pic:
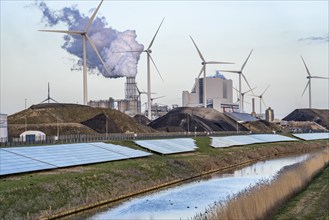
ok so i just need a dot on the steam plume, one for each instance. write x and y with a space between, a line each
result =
106 39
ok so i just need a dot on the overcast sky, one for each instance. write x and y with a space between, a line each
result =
279 32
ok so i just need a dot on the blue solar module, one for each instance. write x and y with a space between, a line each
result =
25 159
238 140
313 136
13 163
169 146
266 138
242 117
126 151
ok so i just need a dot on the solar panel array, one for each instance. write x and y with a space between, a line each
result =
312 136
238 140
169 146
237 116
26 159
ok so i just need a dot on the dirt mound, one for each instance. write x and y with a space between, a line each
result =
195 118
142 119
69 115
262 126
320 116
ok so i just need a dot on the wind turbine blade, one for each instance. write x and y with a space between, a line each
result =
319 77
96 51
198 50
230 71
216 62
139 92
247 82
308 72
249 90
236 90
156 67
202 69
149 47
265 90
245 62
62 31
129 51
306 87
159 97
93 17
262 100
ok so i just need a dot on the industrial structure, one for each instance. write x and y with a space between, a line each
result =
3 128
219 94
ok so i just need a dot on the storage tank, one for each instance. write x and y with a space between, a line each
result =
269 114
3 128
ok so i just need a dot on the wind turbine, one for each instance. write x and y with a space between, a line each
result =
84 36
309 77
49 98
261 100
148 51
203 69
241 74
241 97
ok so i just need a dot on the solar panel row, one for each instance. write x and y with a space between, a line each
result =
25 159
238 140
312 136
169 146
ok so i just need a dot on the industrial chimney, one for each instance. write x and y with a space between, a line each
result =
253 113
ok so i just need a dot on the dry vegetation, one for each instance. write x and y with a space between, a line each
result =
262 200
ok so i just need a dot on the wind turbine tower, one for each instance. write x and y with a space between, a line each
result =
309 77
241 74
203 69
84 36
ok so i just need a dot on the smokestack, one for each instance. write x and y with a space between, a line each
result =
253 113
131 89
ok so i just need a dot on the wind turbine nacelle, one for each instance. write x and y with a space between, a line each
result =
203 63
148 51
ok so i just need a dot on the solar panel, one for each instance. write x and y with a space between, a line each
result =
169 146
131 153
13 163
272 138
25 159
313 136
238 140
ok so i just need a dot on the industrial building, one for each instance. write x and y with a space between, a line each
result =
131 105
3 128
219 94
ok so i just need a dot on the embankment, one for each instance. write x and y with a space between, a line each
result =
46 194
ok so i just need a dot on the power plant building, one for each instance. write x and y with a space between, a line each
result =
219 94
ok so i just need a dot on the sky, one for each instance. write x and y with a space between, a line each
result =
279 32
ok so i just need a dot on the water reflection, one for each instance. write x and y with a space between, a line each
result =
185 201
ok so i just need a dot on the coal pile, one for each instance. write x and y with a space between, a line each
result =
99 123
195 119
142 119
319 116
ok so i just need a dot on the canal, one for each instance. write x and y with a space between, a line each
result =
186 200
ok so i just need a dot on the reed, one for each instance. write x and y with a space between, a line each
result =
263 199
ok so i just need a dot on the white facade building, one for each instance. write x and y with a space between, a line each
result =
3 128
31 136
219 93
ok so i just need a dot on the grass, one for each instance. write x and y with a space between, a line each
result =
41 194
311 203
260 201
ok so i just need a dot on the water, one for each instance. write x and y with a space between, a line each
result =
185 201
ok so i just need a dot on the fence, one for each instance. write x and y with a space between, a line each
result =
80 138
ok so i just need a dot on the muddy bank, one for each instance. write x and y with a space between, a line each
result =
44 194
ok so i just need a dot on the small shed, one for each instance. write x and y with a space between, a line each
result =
31 136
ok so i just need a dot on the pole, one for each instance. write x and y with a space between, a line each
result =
204 87
85 92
